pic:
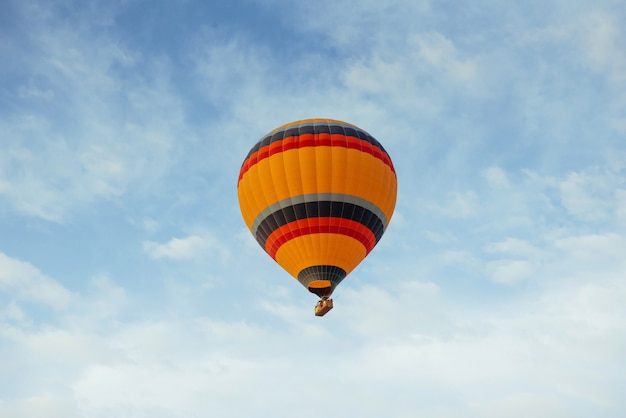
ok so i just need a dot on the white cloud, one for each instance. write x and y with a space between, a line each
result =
424 64
98 135
513 246
460 205
620 210
578 193
47 406
521 260
176 248
509 271
150 225
25 282
105 299
405 342
596 248
440 53
522 404
496 177
602 42
12 312
190 247
31 91
347 25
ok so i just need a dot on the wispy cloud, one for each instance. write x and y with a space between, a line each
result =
177 248
28 283
498 288
187 248
422 339
496 177
78 131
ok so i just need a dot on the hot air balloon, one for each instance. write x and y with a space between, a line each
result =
317 194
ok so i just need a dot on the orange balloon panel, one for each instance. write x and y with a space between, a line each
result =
317 195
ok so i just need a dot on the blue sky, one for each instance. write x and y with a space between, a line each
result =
130 286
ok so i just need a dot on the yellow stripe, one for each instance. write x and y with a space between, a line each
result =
320 249
252 194
317 170
278 175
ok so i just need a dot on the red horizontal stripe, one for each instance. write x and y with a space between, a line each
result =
312 140
325 225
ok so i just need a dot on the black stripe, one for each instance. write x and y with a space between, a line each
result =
319 209
317 128
332 273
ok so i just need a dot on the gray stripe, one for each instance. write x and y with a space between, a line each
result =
315 197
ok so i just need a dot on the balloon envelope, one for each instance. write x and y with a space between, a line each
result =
317 194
